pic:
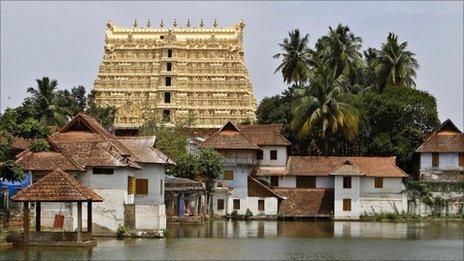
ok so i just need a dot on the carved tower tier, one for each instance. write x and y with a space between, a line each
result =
172 73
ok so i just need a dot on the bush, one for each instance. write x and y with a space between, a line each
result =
122 231
234 215
40 145
248 214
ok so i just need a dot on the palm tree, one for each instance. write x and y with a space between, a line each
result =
340 49
44 98
324 107
295 55
394 65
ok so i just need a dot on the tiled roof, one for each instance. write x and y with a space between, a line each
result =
57 186
347 169
446 138
261 171
246 136
324 166
229 137
182 184
46 161
306 202
144 151
21 144
257 189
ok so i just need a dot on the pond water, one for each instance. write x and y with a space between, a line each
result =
274 240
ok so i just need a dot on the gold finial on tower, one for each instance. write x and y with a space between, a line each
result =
215 23
161 23
202 23
148 23
175 23
136 23
188 22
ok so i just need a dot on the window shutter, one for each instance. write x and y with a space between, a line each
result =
435 160
236 203
261 204
130 185
346 204
141 187
461 159
378 182
220 204
228 175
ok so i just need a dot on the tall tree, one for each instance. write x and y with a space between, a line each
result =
48 111
394 65
340 49
325 108
73 101
295 54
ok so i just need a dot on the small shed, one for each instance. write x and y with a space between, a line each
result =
185 199
57 186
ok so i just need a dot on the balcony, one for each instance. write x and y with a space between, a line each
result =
239 161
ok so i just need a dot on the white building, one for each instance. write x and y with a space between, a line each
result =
442 154
243 149
127 172
342 187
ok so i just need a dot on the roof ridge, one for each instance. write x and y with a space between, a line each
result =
65 154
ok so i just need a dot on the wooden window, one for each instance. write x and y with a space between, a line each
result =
167 97
259 155
167 81
220 204
274 181
169 53
166 115
168 67
228 175
236 203
161 187
141 186
378 182
131 185
435 159
107 171
305 182
261 204
461 159
273 154
347 182
346 204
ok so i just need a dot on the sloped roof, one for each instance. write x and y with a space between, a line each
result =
261 171
306 202
144 151
182 184
57 186
229 137
46 161
324 166
257 189
445 138
347 169
277 127
267 138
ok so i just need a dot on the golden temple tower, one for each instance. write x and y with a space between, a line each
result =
175 72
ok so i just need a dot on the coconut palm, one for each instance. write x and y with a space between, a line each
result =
340 48
324 107
295 54
394 64
44 98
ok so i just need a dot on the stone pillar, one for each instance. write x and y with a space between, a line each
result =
26 222
37 216
79 221
89 217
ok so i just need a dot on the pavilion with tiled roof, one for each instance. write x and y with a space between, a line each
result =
57 186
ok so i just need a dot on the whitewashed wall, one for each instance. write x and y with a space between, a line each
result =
281 156
155 175
325 182
342 193
446 161
270 206
390 185
150 217
220 194
290 181
240 181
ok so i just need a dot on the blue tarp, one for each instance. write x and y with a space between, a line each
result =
14 186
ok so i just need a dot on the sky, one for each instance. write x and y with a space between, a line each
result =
65 40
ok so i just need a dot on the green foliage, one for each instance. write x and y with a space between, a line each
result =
104 115
234 215
186 166
394 123
248 214
73 101
40 145
121 232
11 171
6 151
32 128
209 166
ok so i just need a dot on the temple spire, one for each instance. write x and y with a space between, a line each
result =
161 23
215 23
188 22
175 23
202 23
148 23
136 23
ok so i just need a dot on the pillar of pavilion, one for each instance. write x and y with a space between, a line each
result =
57 186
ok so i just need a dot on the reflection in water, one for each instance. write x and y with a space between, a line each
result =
319 229
273 240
